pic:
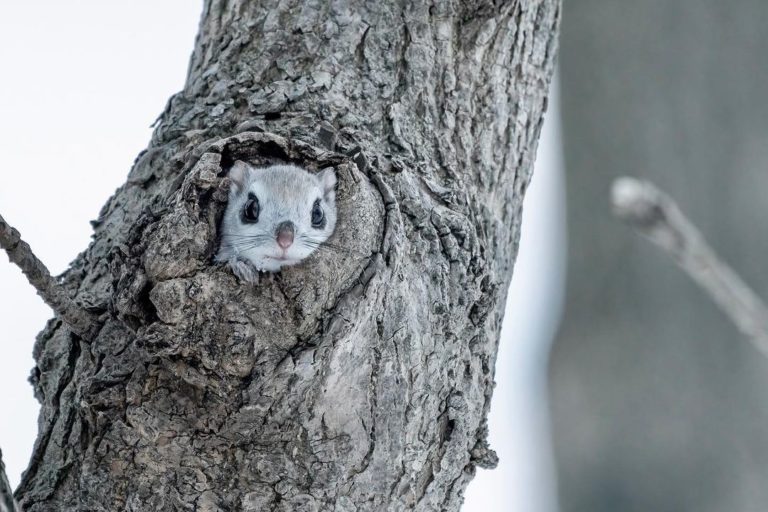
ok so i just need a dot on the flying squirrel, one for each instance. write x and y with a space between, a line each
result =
276 216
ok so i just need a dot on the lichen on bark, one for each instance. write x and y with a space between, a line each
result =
359 379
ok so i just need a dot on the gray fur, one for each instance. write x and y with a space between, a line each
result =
285 193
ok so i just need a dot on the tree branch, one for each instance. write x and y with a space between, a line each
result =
7 503
657 217
79 320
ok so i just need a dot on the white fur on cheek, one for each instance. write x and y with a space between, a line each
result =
285 193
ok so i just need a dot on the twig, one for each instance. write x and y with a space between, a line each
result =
7 503
658 218
79 320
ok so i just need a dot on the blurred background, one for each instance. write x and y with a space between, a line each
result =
658 404
644 398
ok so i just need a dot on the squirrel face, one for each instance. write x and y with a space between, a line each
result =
276 216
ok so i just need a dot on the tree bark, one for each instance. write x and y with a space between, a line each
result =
360 379
7 503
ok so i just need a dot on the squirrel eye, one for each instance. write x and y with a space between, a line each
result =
251 210
318 216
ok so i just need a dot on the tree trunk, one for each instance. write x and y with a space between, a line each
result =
360 379
6 497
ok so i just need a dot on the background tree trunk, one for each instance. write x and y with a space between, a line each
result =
359 380
658 402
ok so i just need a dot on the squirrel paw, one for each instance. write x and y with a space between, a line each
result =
244 270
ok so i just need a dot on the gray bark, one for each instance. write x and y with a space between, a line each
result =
658 402
359 380
49 289
7 503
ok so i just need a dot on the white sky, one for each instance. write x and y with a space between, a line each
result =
81 83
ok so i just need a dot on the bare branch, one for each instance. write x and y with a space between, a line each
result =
79 320
7 503
658 218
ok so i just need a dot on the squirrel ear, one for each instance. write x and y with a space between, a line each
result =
328 182
239 174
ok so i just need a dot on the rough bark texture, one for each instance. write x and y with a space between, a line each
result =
359 380
658 401
7 503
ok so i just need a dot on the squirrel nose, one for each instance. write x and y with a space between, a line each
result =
284 234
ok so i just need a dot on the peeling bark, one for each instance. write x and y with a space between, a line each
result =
360 379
